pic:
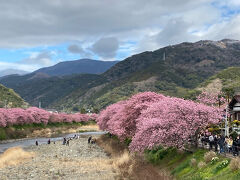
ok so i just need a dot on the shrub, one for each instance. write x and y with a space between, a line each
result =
214 160
2 134
208 156
222 165
201 165
193 162
235 164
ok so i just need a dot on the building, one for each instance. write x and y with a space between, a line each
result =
234 111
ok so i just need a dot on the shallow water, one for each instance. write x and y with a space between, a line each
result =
29 142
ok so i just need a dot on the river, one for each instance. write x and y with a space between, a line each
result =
43 140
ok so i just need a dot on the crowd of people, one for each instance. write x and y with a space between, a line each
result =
66 141
221 144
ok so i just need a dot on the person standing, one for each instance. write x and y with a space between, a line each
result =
216 143
89 139
36 143
222 144
64 141
211 141
235 146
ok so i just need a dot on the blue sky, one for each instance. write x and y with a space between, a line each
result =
39 34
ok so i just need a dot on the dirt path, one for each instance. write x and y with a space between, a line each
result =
56 161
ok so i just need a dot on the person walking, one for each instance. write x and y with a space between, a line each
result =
49 141
36 143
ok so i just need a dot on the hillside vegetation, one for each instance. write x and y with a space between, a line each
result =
9 98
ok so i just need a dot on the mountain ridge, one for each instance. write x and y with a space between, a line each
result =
81 66
173 70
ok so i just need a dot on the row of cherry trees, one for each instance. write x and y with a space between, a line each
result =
152 119
16 116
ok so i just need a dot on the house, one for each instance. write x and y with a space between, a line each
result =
234 107
234 112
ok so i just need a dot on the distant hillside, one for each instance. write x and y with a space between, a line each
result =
227 81
38 87
82 66
7 72
9 98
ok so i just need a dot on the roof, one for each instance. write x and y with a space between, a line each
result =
235 99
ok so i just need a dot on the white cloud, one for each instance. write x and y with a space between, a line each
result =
106 47
39 58
11 65
151 24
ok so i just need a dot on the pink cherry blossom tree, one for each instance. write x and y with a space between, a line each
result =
172 122
120 118
16 116
152 119
212 98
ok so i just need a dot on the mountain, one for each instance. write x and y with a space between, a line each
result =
82 66
7 72
173 70
176 70
39 87
8 98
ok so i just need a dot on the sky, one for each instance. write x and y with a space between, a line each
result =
37 34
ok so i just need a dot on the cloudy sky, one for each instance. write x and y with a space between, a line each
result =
36 34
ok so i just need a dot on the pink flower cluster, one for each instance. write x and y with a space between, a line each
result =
151 119
15 116
211 99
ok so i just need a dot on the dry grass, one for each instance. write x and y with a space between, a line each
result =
193 162
14 156
235 164
201 165
130 166
208 156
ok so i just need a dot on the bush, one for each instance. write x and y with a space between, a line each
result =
234 134
208 156
2 134
214 160
235 164
201 165
222 165
193 162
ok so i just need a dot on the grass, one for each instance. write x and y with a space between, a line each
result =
14 156
179 163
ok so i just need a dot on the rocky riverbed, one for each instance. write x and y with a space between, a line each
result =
79 160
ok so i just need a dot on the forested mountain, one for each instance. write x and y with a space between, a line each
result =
82 66
173 70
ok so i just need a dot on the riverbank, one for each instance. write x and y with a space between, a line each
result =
170 163
130 165
79 160
41 130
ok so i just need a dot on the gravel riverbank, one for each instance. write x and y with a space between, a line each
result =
79 160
